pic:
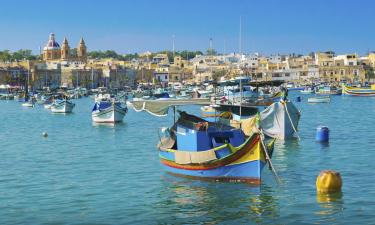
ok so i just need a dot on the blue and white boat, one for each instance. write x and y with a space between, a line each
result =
108 111
62 106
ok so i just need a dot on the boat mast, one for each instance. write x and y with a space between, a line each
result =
92 77
77 78
27 82
239 65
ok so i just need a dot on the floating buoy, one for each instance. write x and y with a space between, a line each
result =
328 181
298 99
44 134
322 134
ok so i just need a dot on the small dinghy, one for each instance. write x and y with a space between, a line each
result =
325 99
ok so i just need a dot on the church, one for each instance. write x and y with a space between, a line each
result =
53 52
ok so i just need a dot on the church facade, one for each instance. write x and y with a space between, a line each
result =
53 52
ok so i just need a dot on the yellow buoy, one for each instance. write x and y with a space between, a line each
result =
328 181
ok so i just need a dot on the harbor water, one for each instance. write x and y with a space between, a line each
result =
84 173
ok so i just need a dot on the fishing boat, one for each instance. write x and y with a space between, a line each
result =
307 91
294 87
62 106
279 120
108 111
48 106
98 97
363 92
328 90
323 99
209 113
28 104
198 149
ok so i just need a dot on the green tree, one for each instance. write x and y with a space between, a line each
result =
5 55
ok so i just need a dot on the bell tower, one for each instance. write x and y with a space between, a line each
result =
65 50
82 51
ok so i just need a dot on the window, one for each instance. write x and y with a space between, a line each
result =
165 77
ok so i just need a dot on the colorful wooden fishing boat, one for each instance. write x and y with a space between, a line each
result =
196 148
353 91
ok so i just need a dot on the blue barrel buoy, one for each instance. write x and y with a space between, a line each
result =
322 134
298 99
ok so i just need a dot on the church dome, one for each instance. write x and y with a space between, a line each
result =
52 44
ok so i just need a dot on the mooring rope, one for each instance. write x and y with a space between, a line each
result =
268 157
290 119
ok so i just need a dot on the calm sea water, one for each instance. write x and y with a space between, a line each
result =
89 174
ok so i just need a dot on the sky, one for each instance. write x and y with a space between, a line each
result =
129 26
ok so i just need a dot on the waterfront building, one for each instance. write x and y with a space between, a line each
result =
371 59
348 59
324 58
342 73
14 76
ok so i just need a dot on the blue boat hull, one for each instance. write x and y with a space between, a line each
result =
249 172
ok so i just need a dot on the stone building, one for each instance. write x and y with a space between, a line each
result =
53 52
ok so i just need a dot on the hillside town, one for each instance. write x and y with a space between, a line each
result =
64 66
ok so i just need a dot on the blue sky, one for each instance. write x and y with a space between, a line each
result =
127 26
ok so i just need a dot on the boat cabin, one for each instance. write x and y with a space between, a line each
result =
196 134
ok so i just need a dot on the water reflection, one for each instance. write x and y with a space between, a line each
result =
110 125
217 202
322 145
329 206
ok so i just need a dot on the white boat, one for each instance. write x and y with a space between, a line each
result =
107 111
62 106
101 96
28 104
325 99
307 91
48 106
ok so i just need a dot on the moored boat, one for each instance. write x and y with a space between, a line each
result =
196 148
107 111
363 92
307 91
28 104
62 106
323 99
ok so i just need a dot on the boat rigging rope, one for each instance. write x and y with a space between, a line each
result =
265 149
290 119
